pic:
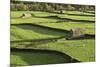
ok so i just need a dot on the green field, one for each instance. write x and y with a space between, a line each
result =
41 15
82 50
31 32
30 58
89 27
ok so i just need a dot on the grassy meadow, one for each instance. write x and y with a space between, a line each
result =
82 50
39 37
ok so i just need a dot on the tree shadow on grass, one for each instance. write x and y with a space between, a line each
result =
40 57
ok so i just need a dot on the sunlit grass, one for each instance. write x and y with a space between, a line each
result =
83 50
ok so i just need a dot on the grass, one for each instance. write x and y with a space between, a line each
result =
32 32
78 17
32 20
15 15
33 58
82 50
79 12
89 27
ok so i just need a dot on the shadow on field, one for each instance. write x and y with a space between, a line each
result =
86 36
72 10
41 29
34 42
40 57
74 20
82 15
66 19
39 40
53 31
89 12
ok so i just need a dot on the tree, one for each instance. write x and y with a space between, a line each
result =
49 7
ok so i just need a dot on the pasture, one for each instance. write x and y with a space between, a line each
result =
81 49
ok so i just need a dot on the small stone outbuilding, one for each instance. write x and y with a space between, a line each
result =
77 32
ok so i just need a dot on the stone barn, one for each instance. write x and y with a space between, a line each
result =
77 32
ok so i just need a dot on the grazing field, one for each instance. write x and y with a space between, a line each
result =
44 17
89 27
32 32
31 58
81 49
35 57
